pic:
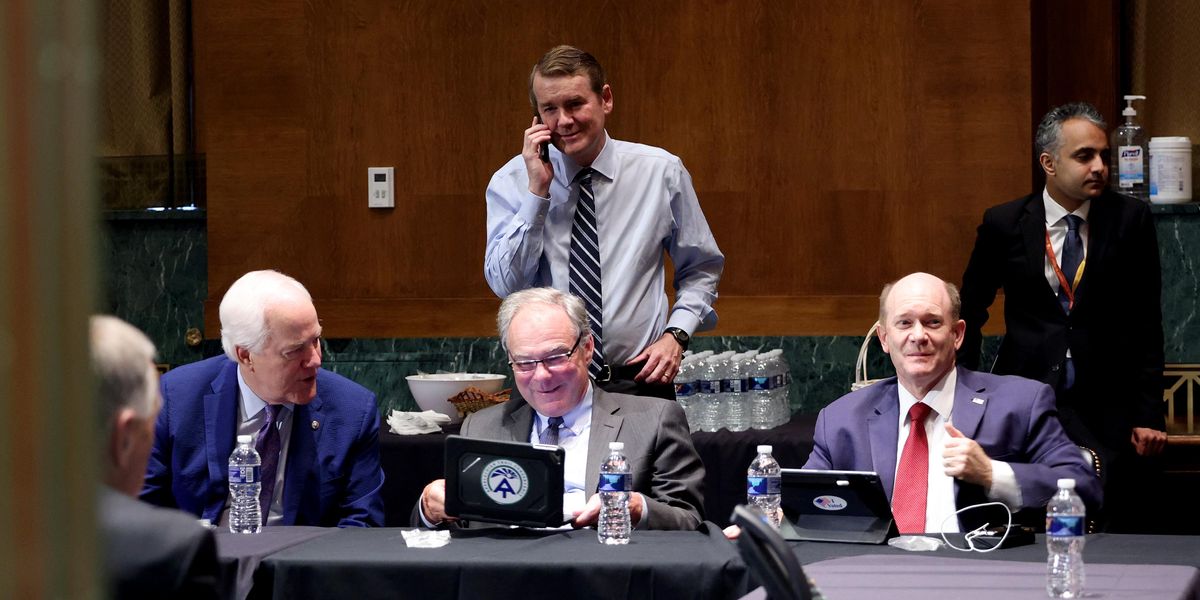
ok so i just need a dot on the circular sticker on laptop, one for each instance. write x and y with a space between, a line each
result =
829 503
504 481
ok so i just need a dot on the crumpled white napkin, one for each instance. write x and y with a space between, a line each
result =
410 423
425 538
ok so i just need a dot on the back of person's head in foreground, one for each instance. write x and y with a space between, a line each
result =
127 383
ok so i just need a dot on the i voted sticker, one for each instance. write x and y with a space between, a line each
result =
829 503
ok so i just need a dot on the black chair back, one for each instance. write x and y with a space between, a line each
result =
769 557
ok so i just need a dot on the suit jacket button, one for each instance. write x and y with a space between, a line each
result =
1054 368
317 424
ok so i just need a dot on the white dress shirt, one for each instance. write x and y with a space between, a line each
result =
1056 224
940 500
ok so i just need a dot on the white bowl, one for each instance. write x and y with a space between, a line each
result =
433 391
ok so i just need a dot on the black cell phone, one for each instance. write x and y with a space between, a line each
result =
544 149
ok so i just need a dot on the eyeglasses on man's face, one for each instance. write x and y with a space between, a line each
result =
550 362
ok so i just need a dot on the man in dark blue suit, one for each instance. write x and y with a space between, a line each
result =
326 440
983 437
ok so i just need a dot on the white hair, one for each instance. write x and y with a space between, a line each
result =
123 363
244 308
513 303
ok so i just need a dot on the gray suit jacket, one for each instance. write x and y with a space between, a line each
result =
152 552
665 466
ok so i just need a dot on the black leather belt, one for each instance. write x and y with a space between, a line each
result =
620 372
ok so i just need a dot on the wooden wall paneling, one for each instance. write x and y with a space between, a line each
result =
1076 57
833 146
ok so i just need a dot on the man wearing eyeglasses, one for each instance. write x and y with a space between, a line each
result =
317 432
549 344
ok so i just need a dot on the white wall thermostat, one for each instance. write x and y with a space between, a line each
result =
381 190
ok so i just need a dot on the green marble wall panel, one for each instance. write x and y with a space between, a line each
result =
156 278
1179 252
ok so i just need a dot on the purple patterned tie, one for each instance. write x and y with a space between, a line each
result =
267 446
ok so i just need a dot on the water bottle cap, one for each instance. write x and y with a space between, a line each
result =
765 449
621 446
1066 483
245 439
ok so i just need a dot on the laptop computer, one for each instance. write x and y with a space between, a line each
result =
835 506
504 482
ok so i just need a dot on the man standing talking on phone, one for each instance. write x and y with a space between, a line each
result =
592 216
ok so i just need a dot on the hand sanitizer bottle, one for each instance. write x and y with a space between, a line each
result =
1127 165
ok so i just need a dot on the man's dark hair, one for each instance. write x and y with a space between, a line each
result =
1049 131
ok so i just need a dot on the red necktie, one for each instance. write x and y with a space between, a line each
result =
911 491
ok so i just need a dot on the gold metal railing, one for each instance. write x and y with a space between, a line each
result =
1180 382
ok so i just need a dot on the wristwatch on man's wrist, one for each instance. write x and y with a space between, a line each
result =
681 337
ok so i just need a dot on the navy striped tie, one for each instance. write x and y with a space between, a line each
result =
585 265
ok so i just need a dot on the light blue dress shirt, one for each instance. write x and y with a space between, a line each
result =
645 204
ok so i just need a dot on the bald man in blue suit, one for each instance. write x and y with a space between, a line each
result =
997 437
328 425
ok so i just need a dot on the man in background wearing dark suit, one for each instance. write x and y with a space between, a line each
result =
1080 271
317 432
149 552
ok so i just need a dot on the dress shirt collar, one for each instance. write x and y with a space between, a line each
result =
576 420
940 397
605 163
251 403
1055 211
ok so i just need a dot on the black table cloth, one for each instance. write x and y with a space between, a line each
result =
411 461
361 564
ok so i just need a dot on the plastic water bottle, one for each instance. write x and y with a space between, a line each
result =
763 485
1129 156
686 389
708 412
783 386
737 415
615 482
761 398
245 516
1065 516
724 375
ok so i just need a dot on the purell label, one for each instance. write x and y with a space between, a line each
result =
1129 166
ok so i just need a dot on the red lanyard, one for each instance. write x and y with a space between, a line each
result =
1062 279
